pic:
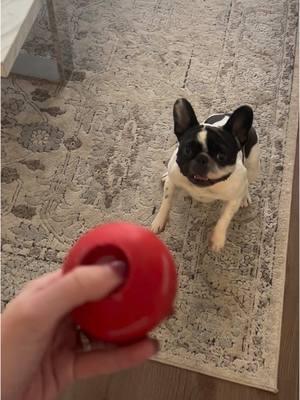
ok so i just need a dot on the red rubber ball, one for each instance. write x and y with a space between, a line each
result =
144 299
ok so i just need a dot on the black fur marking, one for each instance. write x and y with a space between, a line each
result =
240 123
184 117
222 142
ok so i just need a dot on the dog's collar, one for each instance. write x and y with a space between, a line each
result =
223 178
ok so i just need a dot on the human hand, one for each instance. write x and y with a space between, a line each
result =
41 354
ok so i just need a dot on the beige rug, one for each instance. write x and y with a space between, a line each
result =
94 150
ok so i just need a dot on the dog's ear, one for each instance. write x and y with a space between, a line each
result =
240 123
184 117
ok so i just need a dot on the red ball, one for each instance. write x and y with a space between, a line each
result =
145 298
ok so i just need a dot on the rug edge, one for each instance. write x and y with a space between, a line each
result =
286 196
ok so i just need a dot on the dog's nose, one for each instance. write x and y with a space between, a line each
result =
202 159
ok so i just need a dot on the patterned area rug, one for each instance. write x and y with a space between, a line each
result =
94 150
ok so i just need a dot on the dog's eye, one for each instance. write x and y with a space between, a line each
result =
221 157
187 150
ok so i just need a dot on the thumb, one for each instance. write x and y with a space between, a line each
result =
79 286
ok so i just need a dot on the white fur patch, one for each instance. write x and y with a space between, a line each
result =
202 139
222 122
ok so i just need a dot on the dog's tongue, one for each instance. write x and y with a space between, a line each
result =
200 178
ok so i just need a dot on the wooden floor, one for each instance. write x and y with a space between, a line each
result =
154 381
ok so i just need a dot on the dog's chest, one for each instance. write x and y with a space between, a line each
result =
203 195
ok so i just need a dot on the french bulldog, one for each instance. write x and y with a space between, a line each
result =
214 160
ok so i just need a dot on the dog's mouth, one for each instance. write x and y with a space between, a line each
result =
200 180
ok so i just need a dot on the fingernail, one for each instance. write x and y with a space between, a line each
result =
120 267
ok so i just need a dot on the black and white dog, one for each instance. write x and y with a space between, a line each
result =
215 160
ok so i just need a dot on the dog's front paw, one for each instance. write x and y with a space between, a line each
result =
217 241
158 225
246 201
